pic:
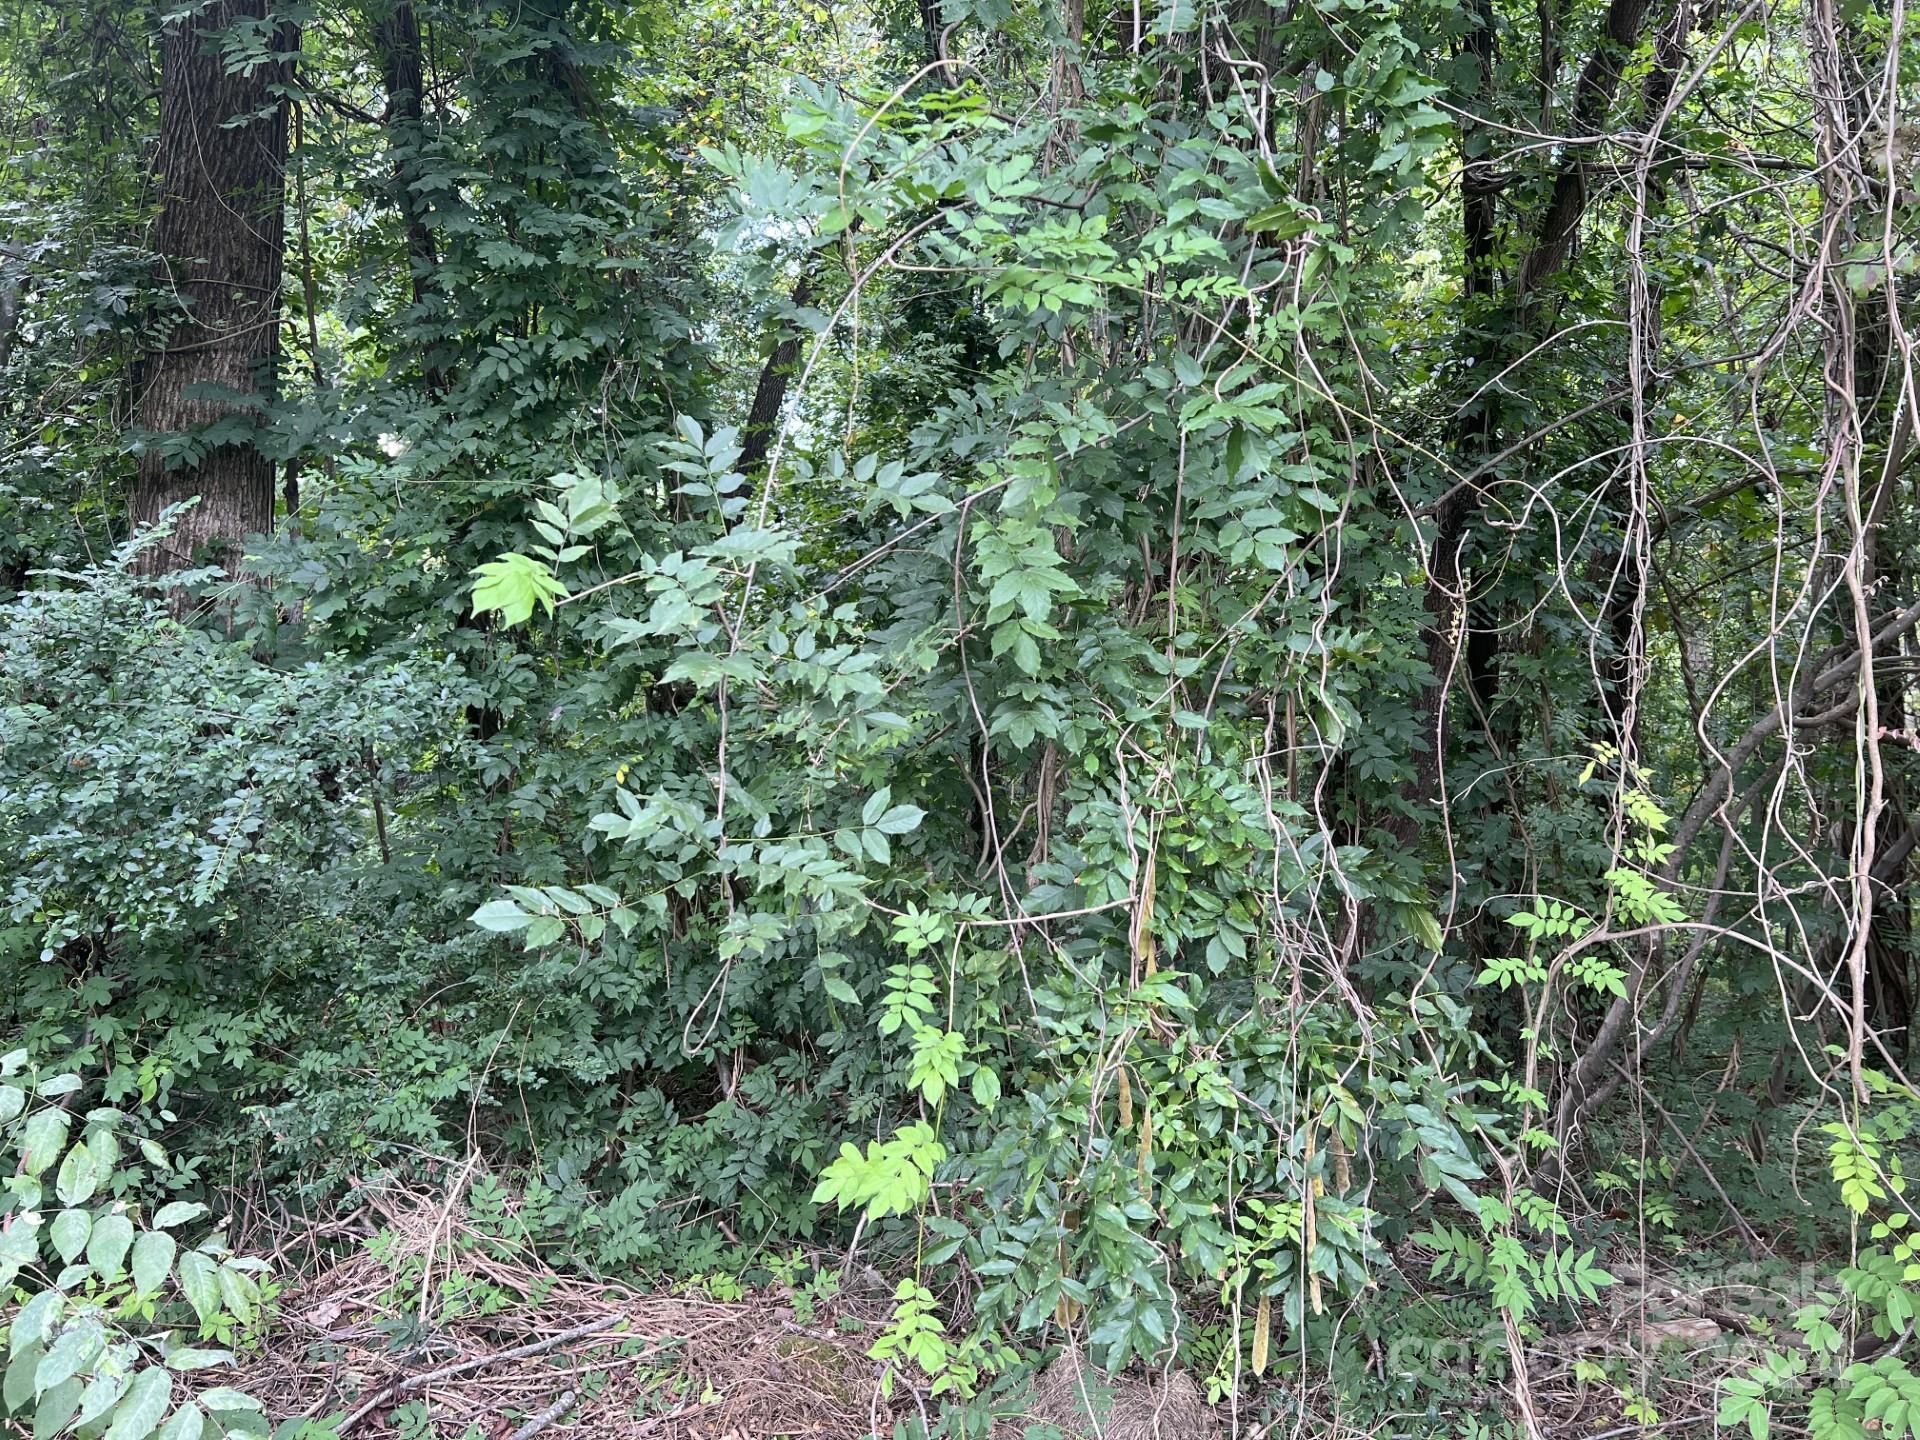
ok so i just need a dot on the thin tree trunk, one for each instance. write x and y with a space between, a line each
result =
221 177
770 393
402 73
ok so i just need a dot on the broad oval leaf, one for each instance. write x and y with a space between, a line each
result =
200 1283
36 1320
99 1396
177 1212
153 1254
187 1423
18 1388
74 1350
43 1139
69 1233
140 1410
56 1408
187 1358
78 1176
107 1246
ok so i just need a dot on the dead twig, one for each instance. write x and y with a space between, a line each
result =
399 1388
547 1416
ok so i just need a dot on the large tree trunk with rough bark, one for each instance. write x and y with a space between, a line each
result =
221 177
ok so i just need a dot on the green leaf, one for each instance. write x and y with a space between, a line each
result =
899 820
19 1246
227 1400
12 1101
187 1423
513 585
153 1254
239 1292
200 1282
18 1387
1280 221
56 1408
69 1233
107 1246
78 1176
139 1412
35 1321
188 1358
74 1350
500 915
177 1212
43 1139
544 930
1424 927
101 1393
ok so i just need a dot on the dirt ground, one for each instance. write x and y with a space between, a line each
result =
524 1351
429 1330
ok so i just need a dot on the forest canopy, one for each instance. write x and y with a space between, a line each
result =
1226 687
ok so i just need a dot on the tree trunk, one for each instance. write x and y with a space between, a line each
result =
221 177
402 72
770 394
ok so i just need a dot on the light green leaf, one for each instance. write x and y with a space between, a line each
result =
177 1212
152 1260
986 1087
43 1139
74 1350
100 1394
78 1176
188 1358
899 820
12 1101
239 1292
200 1283
56 1408
187 1423
35 1320
107 1246
145 1402
513 585
69 1233
19 1245
544 930
18 1387
225 1399
501 916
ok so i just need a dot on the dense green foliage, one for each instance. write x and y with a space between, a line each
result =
1190 670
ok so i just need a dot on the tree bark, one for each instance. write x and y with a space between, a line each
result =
770 393
402 74
221 178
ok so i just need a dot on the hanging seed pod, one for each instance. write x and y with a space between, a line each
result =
1142 936
1337 1152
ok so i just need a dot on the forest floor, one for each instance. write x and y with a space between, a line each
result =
429 1329
432 1329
